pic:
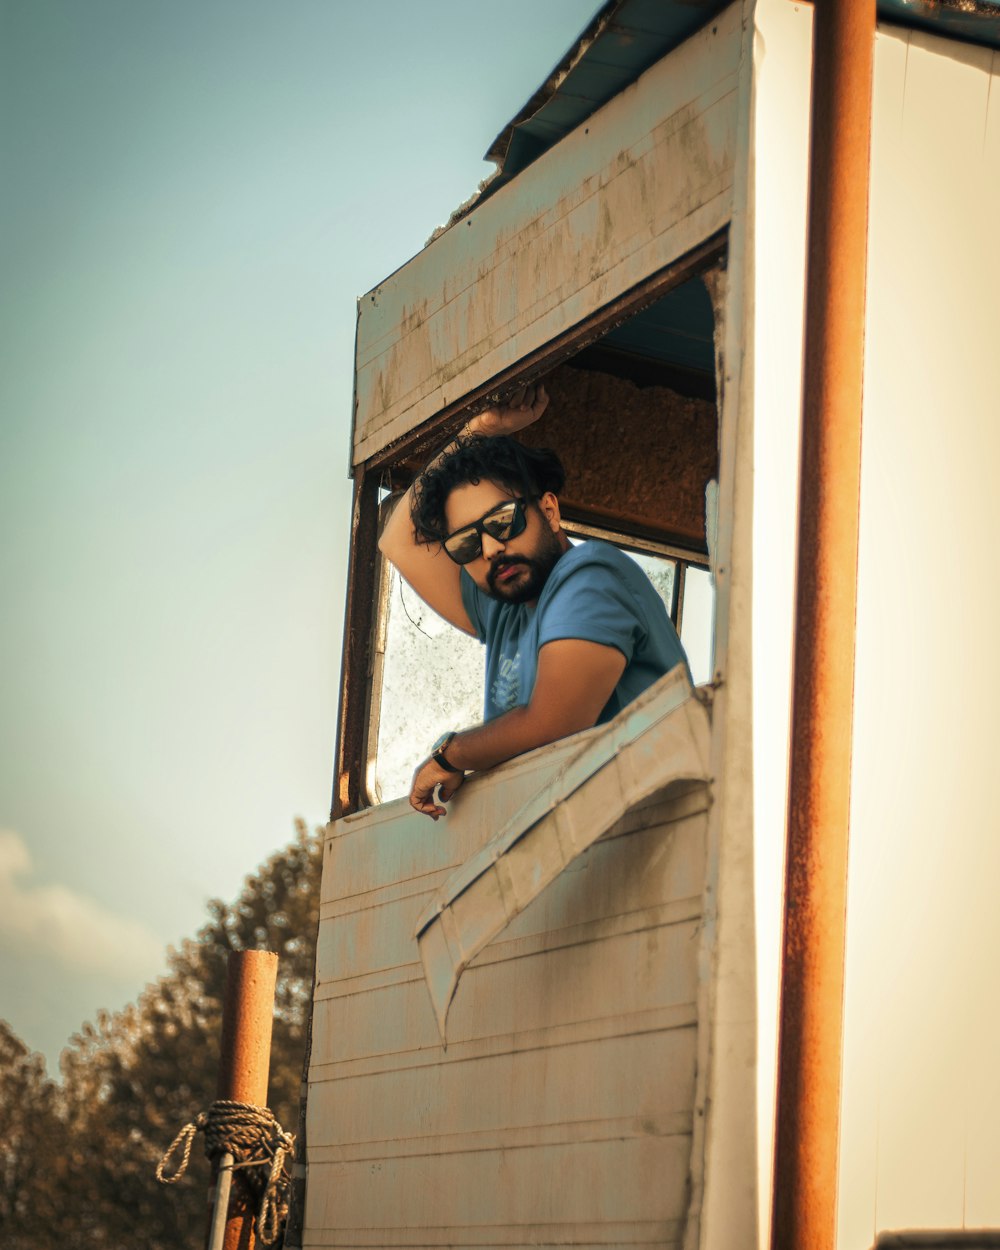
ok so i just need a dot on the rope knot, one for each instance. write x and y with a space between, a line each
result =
256 1142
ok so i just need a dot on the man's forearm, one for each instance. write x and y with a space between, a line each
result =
399 534
515 732
574 682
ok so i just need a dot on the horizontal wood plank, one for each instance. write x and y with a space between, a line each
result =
540 1185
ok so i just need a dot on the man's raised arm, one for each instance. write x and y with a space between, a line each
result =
424 565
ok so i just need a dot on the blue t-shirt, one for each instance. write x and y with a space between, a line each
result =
596 593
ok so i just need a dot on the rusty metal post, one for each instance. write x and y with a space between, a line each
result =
247 1019
811 1026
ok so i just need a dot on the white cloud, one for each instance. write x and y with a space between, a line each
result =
75 931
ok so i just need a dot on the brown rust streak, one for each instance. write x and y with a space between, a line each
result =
808 1111
419 443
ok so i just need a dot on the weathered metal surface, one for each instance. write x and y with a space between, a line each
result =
623 766
413 448
357 653
245 1061
811 1026
646 180
247 1017
623 40
562 1111
626 36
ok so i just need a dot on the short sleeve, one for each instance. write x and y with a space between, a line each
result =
475 603
593 604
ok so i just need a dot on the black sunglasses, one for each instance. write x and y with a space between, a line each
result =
505 521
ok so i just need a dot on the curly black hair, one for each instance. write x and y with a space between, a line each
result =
529 472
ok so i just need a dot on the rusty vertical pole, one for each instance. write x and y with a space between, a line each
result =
247 1019
811 1025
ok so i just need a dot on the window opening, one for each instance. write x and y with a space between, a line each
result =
638 476
429 676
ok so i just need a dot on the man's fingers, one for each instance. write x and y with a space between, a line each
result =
426 780
423 801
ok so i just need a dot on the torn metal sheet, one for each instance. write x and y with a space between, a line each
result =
660 739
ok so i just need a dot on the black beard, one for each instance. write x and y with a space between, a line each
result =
526 588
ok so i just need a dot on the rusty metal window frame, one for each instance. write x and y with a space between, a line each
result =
362 618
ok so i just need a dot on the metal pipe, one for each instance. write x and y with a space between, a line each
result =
811 1024
223 1184
244 1061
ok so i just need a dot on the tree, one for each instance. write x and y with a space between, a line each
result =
133 1078
29 1137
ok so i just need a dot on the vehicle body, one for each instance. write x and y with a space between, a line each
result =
606 1074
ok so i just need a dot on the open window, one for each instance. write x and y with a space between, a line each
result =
633 416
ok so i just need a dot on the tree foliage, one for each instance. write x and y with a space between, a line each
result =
30 1131
77 1163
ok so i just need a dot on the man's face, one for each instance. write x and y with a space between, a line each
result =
516 570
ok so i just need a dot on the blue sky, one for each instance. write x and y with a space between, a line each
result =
194 194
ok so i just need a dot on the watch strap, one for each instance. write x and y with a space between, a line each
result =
438 753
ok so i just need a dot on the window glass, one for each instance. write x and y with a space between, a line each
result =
698 623
697 610
432 680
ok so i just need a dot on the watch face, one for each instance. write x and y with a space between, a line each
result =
445 738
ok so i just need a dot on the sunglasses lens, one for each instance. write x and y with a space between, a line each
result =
464 546
506 522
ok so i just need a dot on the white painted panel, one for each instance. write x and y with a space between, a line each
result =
527 1186
506 1096
782 62
477 811
660 742
607 882
646 179
664 1234
922 1013
621 976
563 1107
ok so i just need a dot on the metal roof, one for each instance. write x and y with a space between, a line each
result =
677 330
975 21
626 37
622 41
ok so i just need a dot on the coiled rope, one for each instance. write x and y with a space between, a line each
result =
256 1142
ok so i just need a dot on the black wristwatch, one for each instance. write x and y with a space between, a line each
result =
439 748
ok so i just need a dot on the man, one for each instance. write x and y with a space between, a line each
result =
572 634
